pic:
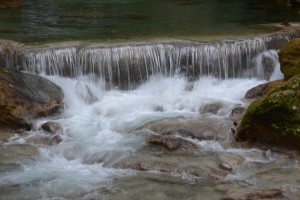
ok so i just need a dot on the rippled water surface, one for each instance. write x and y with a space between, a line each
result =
112 20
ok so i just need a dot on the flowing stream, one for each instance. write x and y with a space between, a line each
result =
105 129
142 69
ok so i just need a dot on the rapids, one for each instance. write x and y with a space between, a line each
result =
102 127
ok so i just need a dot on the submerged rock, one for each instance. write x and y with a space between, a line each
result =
172 143
237 114
265 194
26 96
289 57
212 108
12 154
275 117
173 165
229 162
51 127
44 140
200 129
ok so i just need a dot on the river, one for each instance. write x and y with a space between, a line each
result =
133 70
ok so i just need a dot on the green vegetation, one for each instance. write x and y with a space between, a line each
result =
289 57
275 117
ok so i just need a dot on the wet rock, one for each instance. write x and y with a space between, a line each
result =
200 129
212 108
262 89
146 165
268 66
237 114
172 143
229 162
24 97
44 140
51 127
265 194
10 3
12 154
55 140
5 134
225 166
167 166
275 117
289 57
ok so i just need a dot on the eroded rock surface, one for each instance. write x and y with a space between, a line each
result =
172 143
262 89
24 97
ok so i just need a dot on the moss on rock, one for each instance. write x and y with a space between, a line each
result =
275 117
289 57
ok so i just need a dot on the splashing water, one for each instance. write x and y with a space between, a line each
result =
97 133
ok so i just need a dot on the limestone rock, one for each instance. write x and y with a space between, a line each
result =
275 117
24 97
51 127
172 143
265 194
212 108
262 89
164 165
289 57
237 114
44 140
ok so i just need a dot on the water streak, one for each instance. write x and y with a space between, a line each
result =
126 66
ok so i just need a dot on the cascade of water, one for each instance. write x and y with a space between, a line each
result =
125 66
267 66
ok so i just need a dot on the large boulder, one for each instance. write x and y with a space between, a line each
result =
275 117
289 57
10 3
24 97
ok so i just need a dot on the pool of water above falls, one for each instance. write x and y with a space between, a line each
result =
103 20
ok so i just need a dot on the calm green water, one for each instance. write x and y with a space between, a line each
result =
113 20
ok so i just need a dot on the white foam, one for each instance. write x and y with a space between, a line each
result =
96 134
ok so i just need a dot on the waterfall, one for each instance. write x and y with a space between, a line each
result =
128 65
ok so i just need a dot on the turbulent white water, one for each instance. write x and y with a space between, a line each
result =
97 125
95 134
